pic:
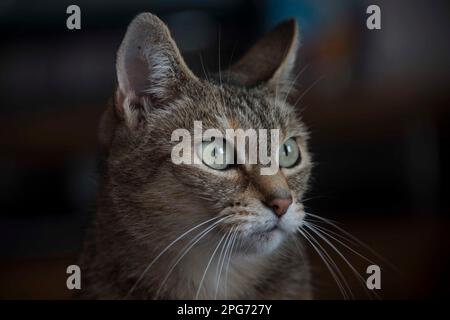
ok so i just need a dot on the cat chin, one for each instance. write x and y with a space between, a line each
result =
265 242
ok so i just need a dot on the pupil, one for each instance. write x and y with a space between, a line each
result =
286 150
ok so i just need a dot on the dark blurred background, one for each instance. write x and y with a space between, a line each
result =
376 101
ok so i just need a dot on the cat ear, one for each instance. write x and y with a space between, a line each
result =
150 68
271 59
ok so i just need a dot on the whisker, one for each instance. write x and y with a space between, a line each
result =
187 248
331 267
298 244
352 237
343 237
227 268
165 250
312 198
207 266
220 73
222 260
293 82
332 261
203 67
327 220
358 275
231 60
327 232
308 89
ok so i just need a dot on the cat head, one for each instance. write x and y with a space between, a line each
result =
157 94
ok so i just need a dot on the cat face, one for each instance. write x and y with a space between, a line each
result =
158 94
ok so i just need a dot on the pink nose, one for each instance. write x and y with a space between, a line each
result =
280 205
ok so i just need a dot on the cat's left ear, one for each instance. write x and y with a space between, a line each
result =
271 60
149 67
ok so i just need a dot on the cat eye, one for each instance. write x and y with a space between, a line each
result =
289 154
215 155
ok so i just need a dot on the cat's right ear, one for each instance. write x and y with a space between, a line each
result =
150 69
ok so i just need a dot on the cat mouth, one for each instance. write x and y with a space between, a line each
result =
269 230
265 239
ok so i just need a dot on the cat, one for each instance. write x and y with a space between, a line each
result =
179 231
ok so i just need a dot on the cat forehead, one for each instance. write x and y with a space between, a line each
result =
225 107
237 107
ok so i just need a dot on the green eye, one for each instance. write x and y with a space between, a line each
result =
215 155
289 153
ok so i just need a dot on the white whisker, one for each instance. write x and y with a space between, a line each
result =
221 263
293 82
352 237
358 275
331 267
207 266
308 89
228 262
163 251
327 233
187 248
203 67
